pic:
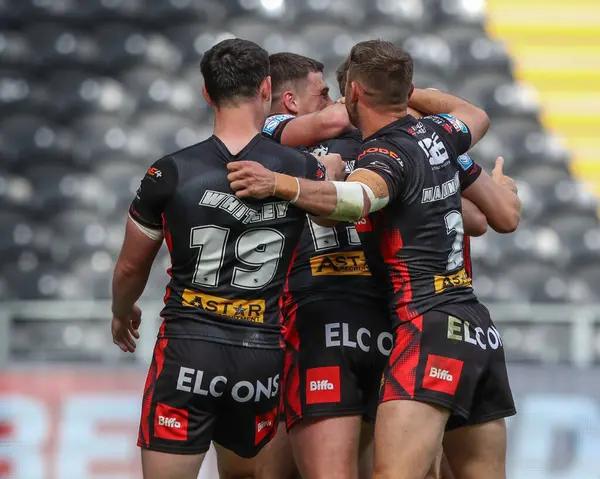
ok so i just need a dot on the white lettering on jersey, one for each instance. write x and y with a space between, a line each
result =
441 192
240 210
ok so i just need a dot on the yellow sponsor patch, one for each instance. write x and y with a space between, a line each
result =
353 263
460 278
253 310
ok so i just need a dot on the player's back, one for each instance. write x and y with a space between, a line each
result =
414 245
229 256
330 261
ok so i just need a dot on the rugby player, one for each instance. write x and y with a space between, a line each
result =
302 112
216 366
447 369
328 437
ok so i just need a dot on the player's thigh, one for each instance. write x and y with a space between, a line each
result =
276 460
445 469
248 419
408 436
160 465
177 423
477 451
492 402
327 448
365 450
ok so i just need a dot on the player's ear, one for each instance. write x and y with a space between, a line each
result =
356 91
290 102
207 96
412 90
265 89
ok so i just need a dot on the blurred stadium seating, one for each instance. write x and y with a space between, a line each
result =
93 91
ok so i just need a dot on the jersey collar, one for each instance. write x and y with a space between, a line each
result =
390 127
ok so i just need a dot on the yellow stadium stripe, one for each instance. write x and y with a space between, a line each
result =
555 45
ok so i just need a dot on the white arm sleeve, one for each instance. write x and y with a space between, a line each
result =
154 234
351 201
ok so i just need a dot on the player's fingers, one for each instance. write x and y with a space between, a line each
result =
238 185
121 346
237 165
238 175
243 193
128 341
133 329
499 165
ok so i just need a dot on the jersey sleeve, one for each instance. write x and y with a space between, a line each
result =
274 126
452 131
388 162
315 170
468 171
156 189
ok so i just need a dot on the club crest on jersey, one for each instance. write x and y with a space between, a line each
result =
273 122
465 161
456 123
418 129
320 150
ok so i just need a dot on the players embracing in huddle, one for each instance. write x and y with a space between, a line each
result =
377 310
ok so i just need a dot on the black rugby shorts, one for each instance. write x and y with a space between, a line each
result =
453 358
199 391
335 354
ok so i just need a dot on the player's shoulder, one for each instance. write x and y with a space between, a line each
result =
447 122
207 145
273 147
346 144
273 121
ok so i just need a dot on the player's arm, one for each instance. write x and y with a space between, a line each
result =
143 238
368 189
474 221
496 197
435 102
322 125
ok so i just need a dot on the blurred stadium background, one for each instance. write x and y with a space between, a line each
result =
93 91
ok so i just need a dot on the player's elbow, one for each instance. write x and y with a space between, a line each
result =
476 226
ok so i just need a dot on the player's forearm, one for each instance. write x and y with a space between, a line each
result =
474 221
500 205
323 125
509 214
317 197
127 286
434 102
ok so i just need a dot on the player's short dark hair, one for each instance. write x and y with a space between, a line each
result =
341 73
234 69
289 67
383 69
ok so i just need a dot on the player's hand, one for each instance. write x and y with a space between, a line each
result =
500 178
335 166
125 329
250 179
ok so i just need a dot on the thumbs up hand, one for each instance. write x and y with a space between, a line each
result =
500 178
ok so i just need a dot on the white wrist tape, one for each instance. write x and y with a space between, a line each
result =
153 234
351 201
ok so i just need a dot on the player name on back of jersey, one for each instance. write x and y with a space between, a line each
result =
437 193
240 210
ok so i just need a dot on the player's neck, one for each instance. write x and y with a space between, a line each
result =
236 126
372 120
